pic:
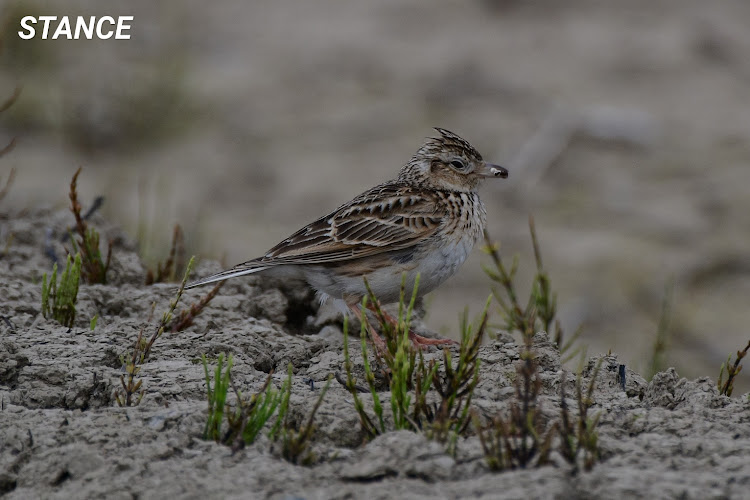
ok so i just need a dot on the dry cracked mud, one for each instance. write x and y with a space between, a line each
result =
62 434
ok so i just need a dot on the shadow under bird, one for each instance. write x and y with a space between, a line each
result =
425 222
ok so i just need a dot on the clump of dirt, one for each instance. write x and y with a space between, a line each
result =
62 434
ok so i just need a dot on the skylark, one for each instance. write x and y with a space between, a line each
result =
425 222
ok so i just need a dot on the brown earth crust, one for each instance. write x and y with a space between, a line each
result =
63 436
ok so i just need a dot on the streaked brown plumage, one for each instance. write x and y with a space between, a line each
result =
424 222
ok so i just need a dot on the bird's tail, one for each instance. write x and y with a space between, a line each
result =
240 270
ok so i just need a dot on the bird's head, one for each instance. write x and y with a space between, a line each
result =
450 163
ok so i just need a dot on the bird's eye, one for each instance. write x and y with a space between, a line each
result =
458 165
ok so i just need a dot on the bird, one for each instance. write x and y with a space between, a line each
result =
423 223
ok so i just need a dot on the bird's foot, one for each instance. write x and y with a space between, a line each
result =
421 342
418 341
377 340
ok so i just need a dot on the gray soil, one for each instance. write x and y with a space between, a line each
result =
625 127
63 436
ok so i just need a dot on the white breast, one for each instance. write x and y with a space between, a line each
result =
438 266
441 263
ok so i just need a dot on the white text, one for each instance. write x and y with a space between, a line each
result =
103 28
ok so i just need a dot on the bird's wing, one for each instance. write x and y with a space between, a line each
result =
387 217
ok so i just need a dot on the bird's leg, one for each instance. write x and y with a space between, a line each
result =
376 338
418 340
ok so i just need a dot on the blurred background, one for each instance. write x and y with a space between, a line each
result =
625 125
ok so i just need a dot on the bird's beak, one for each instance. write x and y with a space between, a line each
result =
490 170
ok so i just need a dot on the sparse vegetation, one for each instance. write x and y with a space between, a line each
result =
175 260
295 442
578 434
94 268
217 395
7 149
247 417
8 181
186 317
59 300
435 398
726 387
131 393
540 312
12 144
166 273
425 397
658 354
520 438
449 417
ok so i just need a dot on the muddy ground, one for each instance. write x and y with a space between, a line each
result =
63 436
